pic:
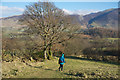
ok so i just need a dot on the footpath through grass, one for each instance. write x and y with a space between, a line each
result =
73 68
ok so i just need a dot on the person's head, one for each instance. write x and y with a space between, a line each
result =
62 55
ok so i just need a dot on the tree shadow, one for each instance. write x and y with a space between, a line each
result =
32 65
37 66
49 69
68 74
40 67
75 57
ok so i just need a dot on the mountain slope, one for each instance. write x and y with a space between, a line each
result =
107 19
11 22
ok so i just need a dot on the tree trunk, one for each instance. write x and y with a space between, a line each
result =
45 54
45 50
50 53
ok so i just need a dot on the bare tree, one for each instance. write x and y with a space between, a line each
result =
47 21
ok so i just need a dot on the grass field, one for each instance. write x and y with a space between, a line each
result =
73 68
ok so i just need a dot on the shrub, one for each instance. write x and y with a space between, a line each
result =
80 74
7 58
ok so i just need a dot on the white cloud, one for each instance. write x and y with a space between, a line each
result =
67 11
6 11
6 8
79 12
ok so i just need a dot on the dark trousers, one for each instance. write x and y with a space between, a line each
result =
61 67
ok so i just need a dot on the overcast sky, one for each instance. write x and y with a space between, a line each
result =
81 8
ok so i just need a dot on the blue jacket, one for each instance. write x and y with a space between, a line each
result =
62 59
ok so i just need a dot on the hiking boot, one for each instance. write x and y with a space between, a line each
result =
59 69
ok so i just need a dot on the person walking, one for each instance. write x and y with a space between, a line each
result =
61 62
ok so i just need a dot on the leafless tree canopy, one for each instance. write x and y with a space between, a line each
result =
47 21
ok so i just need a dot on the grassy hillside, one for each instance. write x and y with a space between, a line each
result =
74 68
